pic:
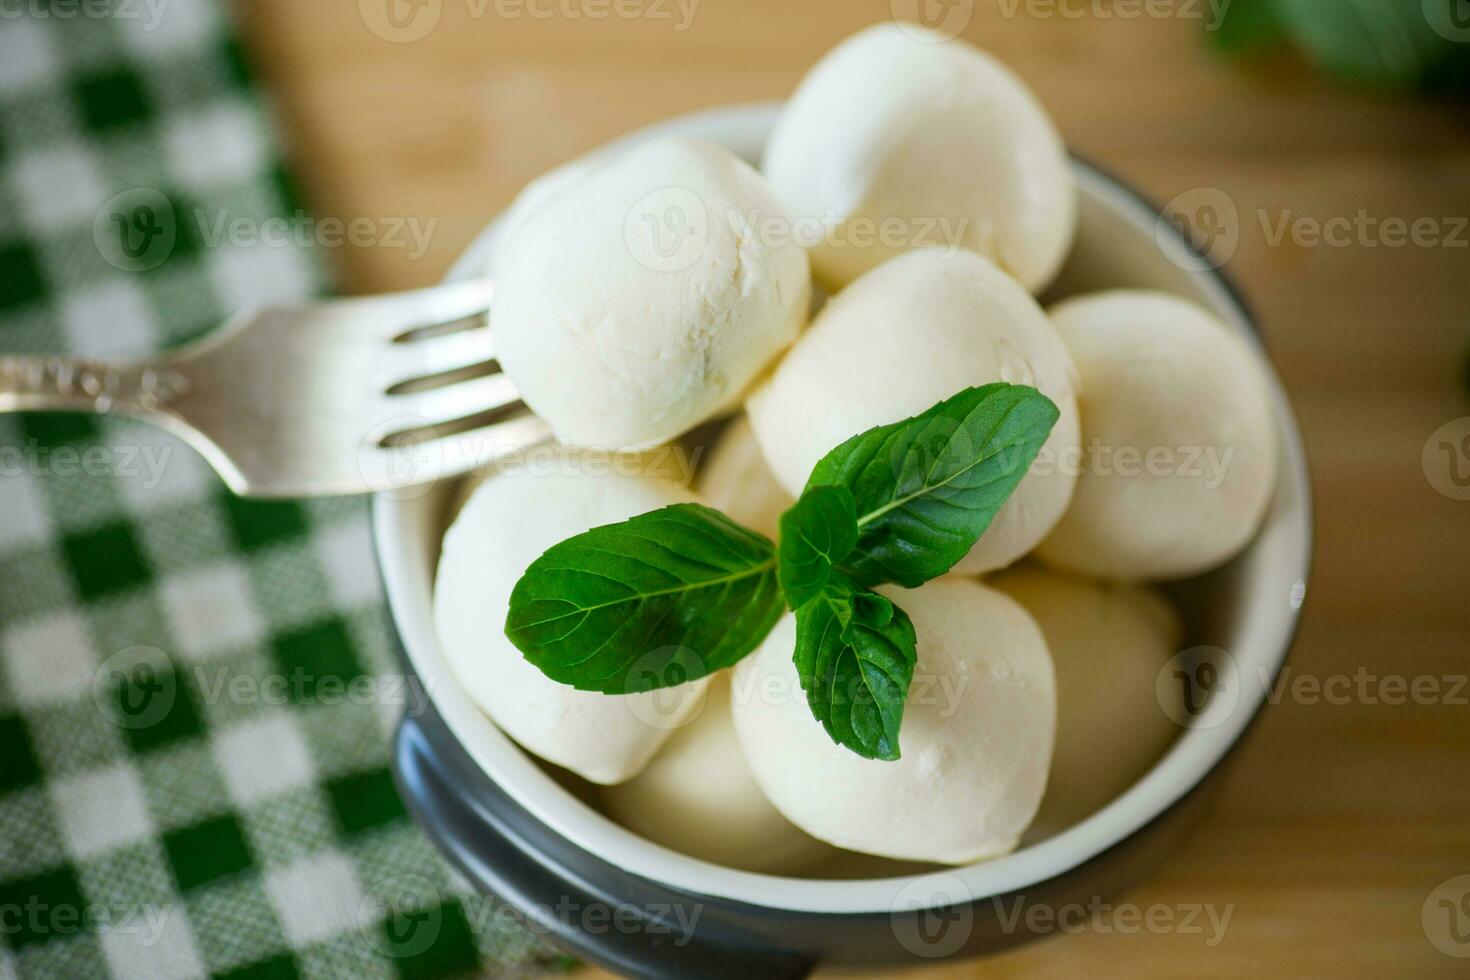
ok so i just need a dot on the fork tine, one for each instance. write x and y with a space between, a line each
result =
410 362
444 405
481 448
401 313
446 305
443 328
403 468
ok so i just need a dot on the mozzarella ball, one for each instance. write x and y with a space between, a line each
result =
904 337
460 494
736 480
639 299
509 521
1108 643
899 139
698 797
532 196
1179 454
975 743
672 463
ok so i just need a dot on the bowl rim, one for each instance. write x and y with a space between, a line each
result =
1193 756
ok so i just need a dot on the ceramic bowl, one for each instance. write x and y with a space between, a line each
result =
518 832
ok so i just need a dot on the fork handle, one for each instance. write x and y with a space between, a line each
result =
63 384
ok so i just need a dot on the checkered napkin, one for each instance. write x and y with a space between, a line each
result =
194 729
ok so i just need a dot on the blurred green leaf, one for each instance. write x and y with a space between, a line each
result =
1248 25
1388 44
1377 42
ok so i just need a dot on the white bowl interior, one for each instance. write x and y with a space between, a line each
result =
1250 608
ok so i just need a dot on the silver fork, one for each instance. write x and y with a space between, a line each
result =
344 396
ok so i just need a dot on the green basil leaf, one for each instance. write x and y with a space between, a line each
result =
855 654
926 488
818 531
1387 43
1247 25
652 602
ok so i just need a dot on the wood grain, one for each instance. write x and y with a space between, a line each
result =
1339 819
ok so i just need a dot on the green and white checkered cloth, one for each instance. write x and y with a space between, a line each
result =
193 742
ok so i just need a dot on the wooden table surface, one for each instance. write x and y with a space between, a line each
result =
1339 819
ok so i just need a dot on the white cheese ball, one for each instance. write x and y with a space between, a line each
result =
1108 643
975 743
698 797
639 299
663 463
531 196
1179 443
509 521
735 479
899 139
904 337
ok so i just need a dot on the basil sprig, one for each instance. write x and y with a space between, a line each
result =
923 490
855 655
818 531
926 488
682 592
661 599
